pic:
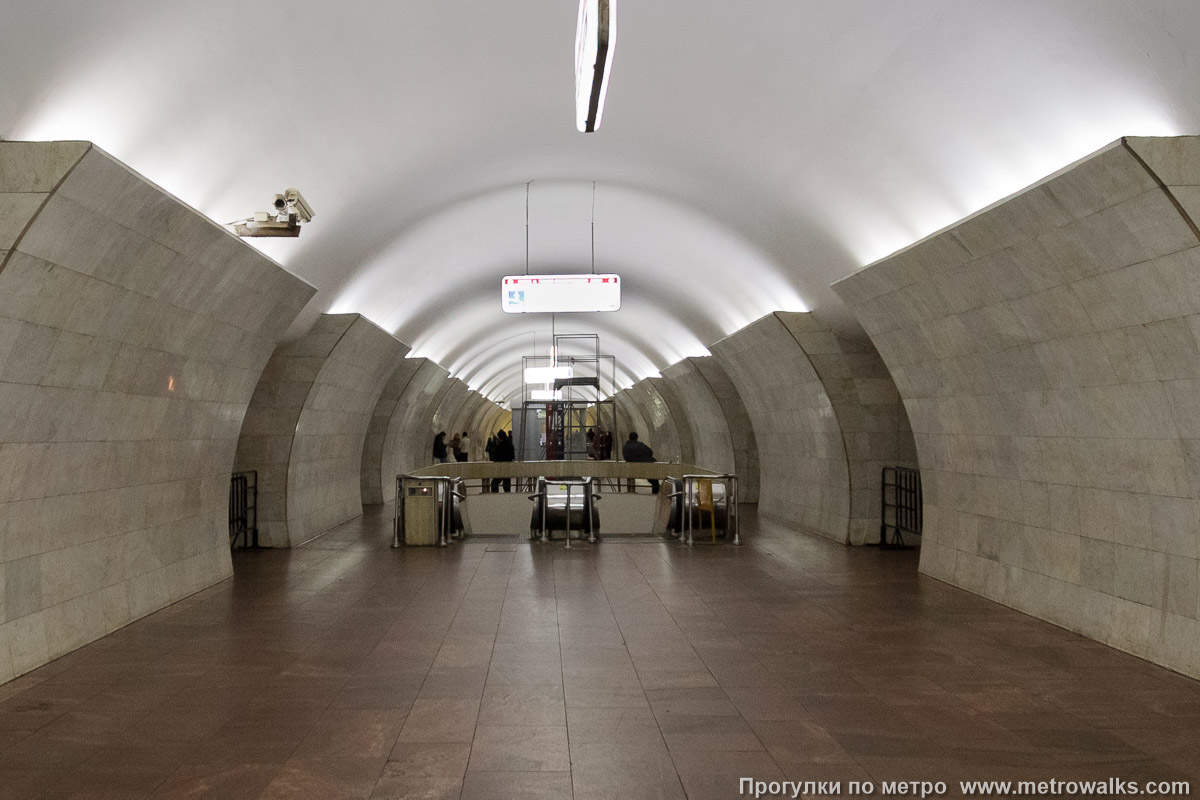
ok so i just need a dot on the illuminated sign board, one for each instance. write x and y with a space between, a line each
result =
541 294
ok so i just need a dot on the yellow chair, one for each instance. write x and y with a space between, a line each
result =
704 502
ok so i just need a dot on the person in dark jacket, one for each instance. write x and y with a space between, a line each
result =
507 453
639 453
439 448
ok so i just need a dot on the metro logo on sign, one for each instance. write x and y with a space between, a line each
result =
543 294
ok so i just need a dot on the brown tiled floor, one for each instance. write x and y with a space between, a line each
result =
625 670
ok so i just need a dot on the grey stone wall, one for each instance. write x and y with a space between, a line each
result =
1047 353
471 411
826 419
376 488
629 418
874 426
132 334
804 474
403 422
702 416
649 415
410 436
741 430
307 423
677 412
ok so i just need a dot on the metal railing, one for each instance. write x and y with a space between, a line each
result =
905 503
588 497
243 509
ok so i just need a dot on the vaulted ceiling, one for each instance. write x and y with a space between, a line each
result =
750 155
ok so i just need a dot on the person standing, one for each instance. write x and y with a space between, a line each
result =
464 447
639 453
439 448
603 443
505 452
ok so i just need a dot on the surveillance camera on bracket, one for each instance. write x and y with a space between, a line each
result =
290 209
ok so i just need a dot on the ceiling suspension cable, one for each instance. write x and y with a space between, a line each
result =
593 227
527 226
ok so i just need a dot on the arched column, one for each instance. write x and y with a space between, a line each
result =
737 420
1046 349
132 334
677 412
805 477
712 445
408 442
657 427
376 485
307 423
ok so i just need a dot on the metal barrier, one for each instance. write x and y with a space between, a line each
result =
445 498
542 511
243 509
906 505
694 489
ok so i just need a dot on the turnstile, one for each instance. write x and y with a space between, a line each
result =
427 510
699 499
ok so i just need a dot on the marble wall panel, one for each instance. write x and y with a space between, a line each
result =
652 418
677 409
308 420
737 419
132 334
469 419
410 436
1046 351
874 426
376 487
445 415
701 415
493 419
404 420
629 418
804 473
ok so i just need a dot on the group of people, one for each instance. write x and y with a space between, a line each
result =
459 447
599 444
500 448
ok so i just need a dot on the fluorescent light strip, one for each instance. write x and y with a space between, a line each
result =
547 374
595 40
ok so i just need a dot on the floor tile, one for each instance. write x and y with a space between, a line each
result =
623 671
520 749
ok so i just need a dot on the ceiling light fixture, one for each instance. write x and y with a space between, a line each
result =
595 39
548 374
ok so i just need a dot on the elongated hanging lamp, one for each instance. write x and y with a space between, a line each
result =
595 39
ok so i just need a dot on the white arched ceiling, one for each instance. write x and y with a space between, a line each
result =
672 260
749 157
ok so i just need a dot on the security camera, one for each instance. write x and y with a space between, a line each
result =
288 210
298 205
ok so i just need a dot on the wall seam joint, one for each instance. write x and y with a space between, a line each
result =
34 217
1161 185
